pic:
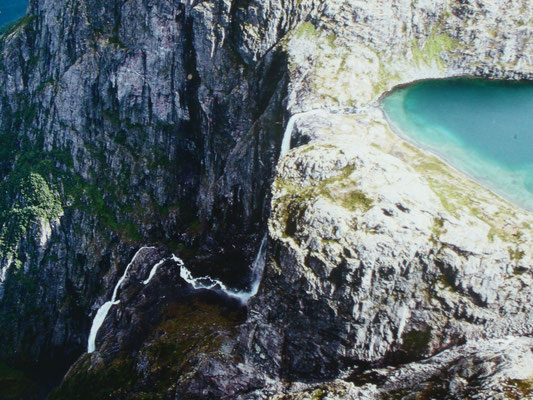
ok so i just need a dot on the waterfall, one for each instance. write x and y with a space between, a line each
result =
204 282
104 309
258 268
287 135
154 270
208 283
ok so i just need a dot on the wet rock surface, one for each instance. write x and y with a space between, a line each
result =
389 274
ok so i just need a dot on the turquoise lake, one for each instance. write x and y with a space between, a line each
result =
11 10
482 128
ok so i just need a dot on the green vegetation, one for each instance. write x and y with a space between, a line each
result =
518 389
186 334
434 388
25 199
415 343
318 394
356 200
339 189
446 283
437 230
8 29
115 40
27 195
516 254
430 51
103 381
39 185
307 29
385 78
456 196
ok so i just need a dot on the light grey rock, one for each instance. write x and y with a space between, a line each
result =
162 122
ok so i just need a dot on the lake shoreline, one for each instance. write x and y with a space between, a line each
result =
520 201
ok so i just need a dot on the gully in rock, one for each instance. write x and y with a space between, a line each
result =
102 312
202 283
208 283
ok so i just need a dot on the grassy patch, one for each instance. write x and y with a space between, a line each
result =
296 199
187 334
111 380
455 196
307 29
437 230
431 50
385 78
516 254
518 389
356 200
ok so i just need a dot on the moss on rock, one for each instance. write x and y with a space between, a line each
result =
187 335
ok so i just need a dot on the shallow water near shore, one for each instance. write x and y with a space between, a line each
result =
11 10
482 128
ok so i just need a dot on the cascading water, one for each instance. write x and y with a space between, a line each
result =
204 282
153 271
258 267
287 135
104 309
208 283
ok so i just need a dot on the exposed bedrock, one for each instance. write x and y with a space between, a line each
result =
142 123
161 123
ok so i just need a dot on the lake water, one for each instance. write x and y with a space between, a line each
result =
11 10
483 128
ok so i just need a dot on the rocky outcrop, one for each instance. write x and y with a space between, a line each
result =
161 123
385 272
382 254
142 123
499 370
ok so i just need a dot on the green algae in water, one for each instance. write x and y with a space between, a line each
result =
483 128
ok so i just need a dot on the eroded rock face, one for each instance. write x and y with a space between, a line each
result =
382 254
161 122
377 270
500 369
148 122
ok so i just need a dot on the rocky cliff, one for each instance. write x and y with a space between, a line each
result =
126 123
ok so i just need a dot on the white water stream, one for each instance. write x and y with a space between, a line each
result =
104 309
204 282
208 283
258 267
154 271
287 135
197 283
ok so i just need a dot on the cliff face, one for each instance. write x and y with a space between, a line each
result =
157 122
140 122
382 254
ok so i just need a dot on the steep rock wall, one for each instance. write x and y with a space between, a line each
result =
167 119
145 122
